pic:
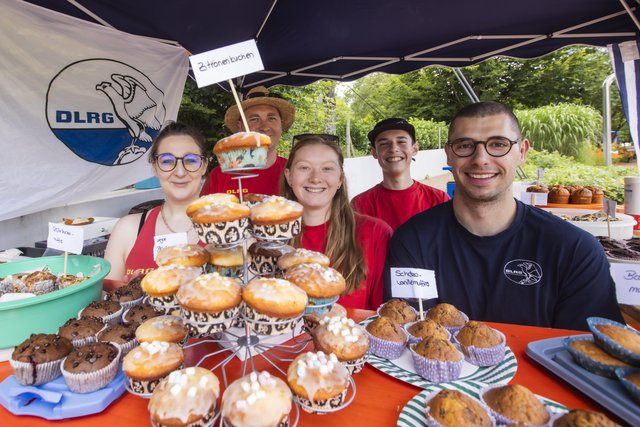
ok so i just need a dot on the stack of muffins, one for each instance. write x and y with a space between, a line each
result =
573 194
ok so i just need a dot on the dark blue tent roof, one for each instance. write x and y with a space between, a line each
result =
301 41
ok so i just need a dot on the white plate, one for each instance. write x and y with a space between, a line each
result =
402 368
622 229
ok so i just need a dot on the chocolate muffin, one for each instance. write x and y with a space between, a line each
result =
81 331
91 367
452 408
108 311
127 295
398 310
37 359
122 334
583 418
139 313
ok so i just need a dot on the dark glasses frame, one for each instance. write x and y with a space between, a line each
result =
324 136
476 143
156 159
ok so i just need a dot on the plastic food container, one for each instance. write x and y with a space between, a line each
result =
621 229
46 313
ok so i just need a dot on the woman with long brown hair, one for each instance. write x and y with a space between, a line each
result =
356 244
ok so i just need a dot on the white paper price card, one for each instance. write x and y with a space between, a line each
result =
66 238
534 199
226 63
627 279
413 283
166 240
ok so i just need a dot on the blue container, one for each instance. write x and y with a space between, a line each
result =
451 185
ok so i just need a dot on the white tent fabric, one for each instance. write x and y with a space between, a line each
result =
80 106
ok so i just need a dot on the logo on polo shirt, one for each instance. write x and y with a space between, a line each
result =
523 272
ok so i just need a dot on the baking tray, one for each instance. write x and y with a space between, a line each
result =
609 393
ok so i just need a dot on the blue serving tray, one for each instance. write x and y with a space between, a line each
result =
609 393
54 400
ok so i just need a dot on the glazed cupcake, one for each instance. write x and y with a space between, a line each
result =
452 408
387 339
583 417
210 199
227 261
140 313
318 381
252 199
257 399
481 344
210 303
163 283
276 218
427 328
146 365
81 331
436 360
242 151
399 311
312 320
265 256
273 306
222 223
37 359
302 256
513 403
594 359
617 339
344 338
323 285
162 328
187 397
448 316
124 335
110 312
91 367
127 296
187 254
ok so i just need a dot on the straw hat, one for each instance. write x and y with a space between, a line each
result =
260 96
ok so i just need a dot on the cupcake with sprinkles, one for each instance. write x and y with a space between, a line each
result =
344 338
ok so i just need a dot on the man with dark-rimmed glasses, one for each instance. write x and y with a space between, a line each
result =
493 257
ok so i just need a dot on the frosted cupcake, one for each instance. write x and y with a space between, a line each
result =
276 218
222 223
323 285
344 338
162 284
146 365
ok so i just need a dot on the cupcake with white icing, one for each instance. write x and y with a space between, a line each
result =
344 338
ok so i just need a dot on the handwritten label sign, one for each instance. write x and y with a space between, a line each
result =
166 240
534 199
226 63
413 283
66 238
610 207
627 279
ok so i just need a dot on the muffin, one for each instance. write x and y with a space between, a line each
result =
452 408
40 282
37 359
276 218
537 189
448 316
436 360
323 285
581 195
162 328
66 280
124 335
591 357
312 320
302 256
252 199
188 255
265 256
257 399
110 312
187 397
81 331
227 261
127 296
616 339
210 199
597 195
273 306
162 284
91 367
427 328
209 303
630 379
583 418
222 223
140 313
398 310
558 194
318 381
146 365
242 150
481 345
514 403
344 338
387 339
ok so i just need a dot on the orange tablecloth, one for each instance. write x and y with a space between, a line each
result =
378 401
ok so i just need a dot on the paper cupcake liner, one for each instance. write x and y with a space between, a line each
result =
323 406
356 365
109 319
608 344
206 324
261 264
243 158
385 349
431 422
128 304
320 306
82 341
413 339
42 287
263 324
87 382
222 233
166 305
587 362
45 372
6 286
633 389
287 230
16 285
435 370
206 421
144 388
480 356
501 419
284 422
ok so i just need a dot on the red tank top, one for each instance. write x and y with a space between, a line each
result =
140 259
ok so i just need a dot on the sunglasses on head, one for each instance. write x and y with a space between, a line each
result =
323 136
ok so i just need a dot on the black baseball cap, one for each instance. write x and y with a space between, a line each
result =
389 124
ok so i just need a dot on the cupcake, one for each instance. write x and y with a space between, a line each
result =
187 254
210 303
127 296
124 335
323 285
227 261
583 418
257 399
597 195
481 345
81 331
318 381
558 194
312 320
399 311
302 256
37 359
242 150
162 328
513 403
187 397
276 218
265 256
448 316
581 195
594 359
66 280
344 338
616 339
162 284
222 223
110 312
40 282
146 365
427 328
387 339
252 199
273 306
436 360
537 189
210 199
452 408
91 367
140 313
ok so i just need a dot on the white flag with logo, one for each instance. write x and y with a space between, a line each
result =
80 106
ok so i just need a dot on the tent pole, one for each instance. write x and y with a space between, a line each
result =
606 118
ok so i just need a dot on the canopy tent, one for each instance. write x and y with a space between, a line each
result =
301 41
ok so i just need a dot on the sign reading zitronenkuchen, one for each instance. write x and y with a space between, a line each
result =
66 238
413 283
226 63
627 279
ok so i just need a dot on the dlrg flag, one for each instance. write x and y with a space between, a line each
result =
80 106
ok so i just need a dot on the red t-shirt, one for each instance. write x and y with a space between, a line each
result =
140 259
373 237
396 206
267 181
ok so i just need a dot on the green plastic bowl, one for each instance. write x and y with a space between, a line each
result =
46 313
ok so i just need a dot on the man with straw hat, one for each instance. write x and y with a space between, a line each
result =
269 114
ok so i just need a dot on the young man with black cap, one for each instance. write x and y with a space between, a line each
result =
269 114
398 197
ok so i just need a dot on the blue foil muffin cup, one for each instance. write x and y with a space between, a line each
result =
385 349
435 370
587 362
483 356
609 345
320 305
633 389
